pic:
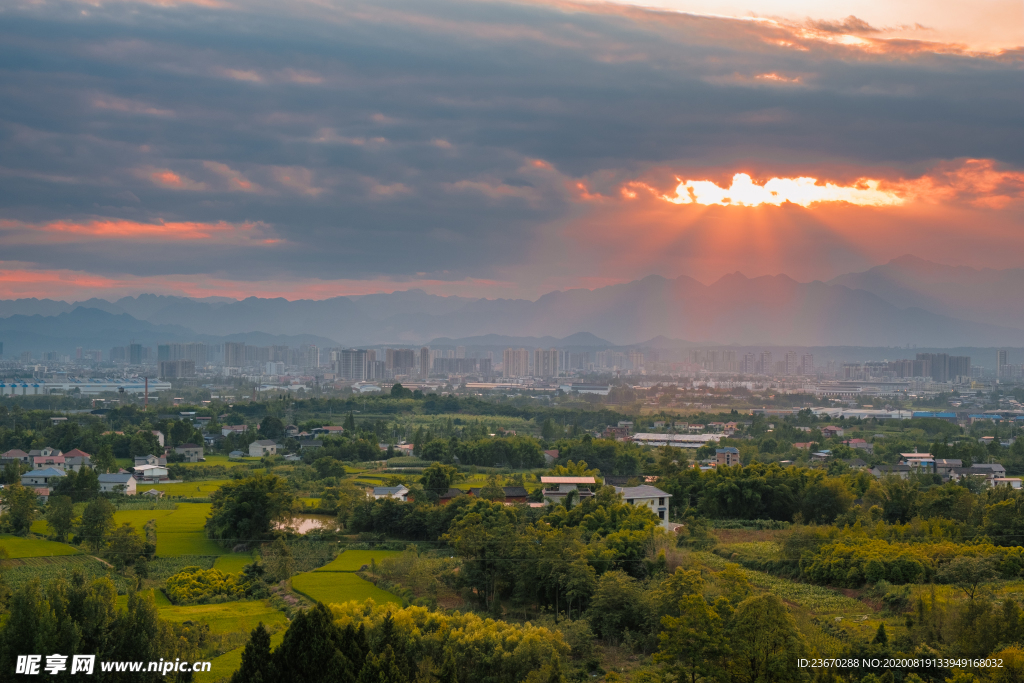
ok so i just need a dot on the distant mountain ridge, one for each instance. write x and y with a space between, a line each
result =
92 328
906 301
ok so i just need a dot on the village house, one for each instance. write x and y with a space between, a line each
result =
650 496
830 431
75 460
47 478
261 448
118 483
727 457
399 492
192 452
564 486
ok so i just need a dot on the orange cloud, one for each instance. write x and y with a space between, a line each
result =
16 232
18 280
777 191
166 178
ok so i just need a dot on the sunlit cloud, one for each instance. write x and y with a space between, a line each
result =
168 179
20 280
127 231
777 191
127 106
236 182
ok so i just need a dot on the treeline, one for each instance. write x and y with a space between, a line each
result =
365 642
69 616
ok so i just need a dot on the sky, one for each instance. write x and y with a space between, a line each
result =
319 148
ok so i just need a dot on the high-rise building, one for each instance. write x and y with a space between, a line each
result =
234 354
460 351
545 363
400 361
173 369
764 363
516 363
351 364
425 362
135 356
749 364
807 364
791 363
1000 363
636 359
946 368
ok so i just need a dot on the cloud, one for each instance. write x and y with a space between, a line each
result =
481 139
777 191
127 232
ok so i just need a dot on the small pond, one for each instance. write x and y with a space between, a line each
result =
303 524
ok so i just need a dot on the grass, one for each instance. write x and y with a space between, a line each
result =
159 599
227 617
232 564
193 543
18 547
188 489
214 459
338 587
222 667
353 560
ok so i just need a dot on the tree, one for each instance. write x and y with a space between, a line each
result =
549 431
125 546
615 605
766 644
437 479
493 491
350 422
19 504
245 510
97 518
692 645
824 500
881 638
967 573
60 515
271 428
256 659
310 651
104 461
80 486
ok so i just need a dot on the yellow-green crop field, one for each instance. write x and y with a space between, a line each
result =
233 563
178 532
214 459
353 560
338 587
222 667
34 547
188 489
228 617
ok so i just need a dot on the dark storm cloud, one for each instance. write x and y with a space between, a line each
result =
399 137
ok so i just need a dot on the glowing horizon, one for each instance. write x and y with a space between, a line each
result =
777 191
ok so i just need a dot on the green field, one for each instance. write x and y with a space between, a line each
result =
353 560
228 617
328 587
188 489
214 459
222 667
34 547
232 564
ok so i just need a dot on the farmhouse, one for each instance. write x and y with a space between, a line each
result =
258 449
191 451
118 483
650 496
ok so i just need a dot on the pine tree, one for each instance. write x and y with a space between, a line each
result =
880 636
256 659
309 652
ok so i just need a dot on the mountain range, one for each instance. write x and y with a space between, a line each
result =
906 301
